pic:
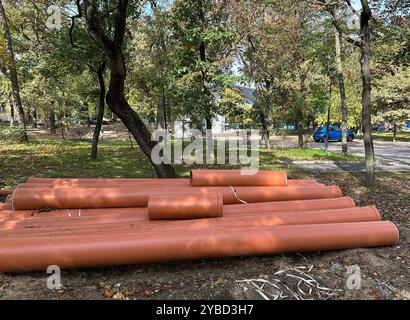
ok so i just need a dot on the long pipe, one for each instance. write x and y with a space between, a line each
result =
37 253
154 182
142 224
81 198
233 209
122 181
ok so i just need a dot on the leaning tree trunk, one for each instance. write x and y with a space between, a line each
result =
342 91
118 72
366 93
119 105
13 72
100 115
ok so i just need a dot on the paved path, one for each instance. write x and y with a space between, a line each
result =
390 156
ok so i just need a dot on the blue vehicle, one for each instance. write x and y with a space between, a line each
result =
335 134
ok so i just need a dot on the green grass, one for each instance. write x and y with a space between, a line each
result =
308 154
70 159
49 158
388 136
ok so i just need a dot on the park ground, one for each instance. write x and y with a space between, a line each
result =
385 271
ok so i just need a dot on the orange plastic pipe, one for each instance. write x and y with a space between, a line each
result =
19 215
200 178
61 213
27 199
137 218
89 226
185 207
6 206
109 184
278 206
37 253
117 181
267 194
234 209
85 181
110 215
133 183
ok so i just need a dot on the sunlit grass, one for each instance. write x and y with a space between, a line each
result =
308 154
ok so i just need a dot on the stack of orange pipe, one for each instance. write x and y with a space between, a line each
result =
99 222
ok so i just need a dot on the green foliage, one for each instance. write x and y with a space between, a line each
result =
184 58
234 107
392 90
202 60
398 117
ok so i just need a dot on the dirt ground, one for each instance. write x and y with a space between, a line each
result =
384 271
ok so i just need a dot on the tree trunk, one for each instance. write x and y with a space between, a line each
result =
101 107
13 72
299 121
342 91
11 103
210 150
394 131
52 118
208 117
366 92
115 96
265 131
35 120
328 117
62 126
300 130
164 108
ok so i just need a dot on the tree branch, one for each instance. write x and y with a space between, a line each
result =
330 7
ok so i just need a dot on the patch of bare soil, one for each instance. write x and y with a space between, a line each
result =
384 272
